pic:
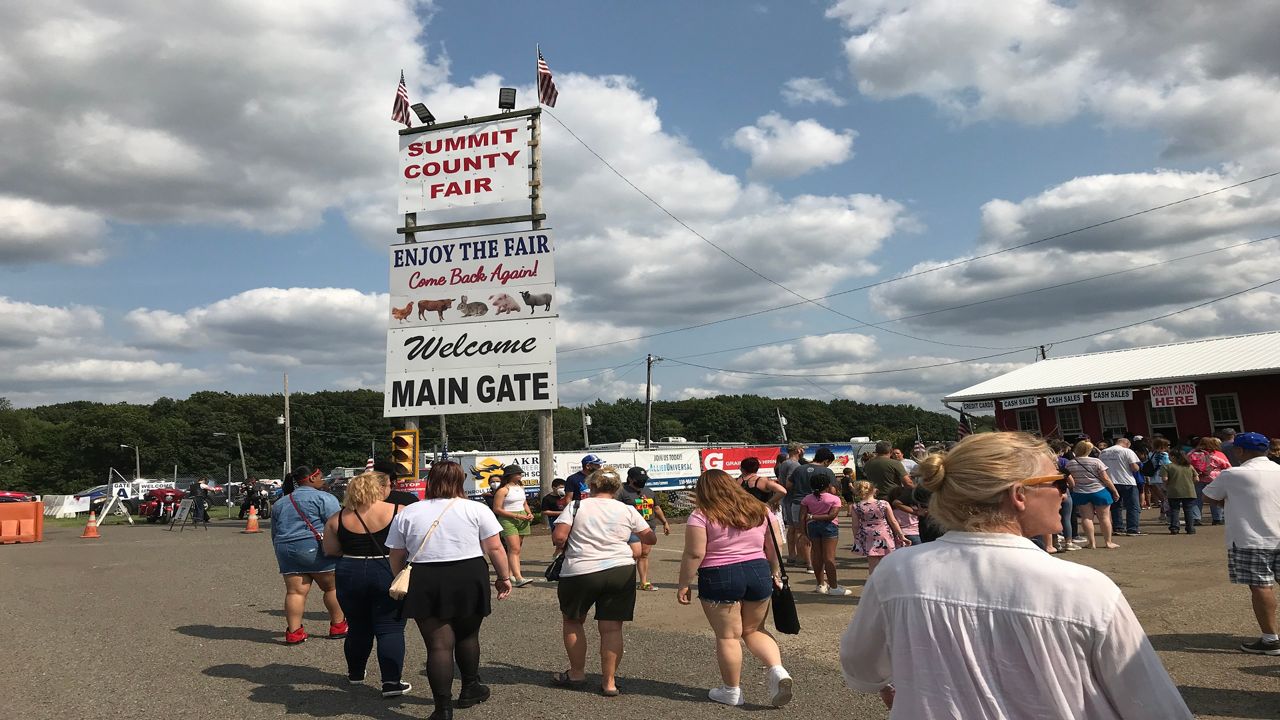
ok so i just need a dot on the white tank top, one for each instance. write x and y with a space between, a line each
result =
514 502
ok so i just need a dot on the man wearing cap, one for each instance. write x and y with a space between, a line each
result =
576 484
797 539
1252 491
634 493
391 470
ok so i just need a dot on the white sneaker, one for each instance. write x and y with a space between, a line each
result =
840 591
779 686
726 695
821 589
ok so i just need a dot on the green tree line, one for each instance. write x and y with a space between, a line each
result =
68 447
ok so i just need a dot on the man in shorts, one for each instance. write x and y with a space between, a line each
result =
1252 491
797 541
634 493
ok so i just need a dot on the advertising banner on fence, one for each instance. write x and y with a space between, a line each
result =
1175 395
668 469
730 459
476 279
464 166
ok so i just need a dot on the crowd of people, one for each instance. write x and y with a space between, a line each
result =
979 523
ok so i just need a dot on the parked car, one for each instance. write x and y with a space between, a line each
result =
16 496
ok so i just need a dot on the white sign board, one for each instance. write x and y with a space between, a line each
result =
1064 399
469 280
464 166
449 347
1109 395
1175 395
1022 402
979 406
669 464
471 390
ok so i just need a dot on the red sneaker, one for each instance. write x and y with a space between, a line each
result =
293 637
339 631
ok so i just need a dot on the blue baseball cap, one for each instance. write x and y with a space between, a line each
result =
592 459
1256 442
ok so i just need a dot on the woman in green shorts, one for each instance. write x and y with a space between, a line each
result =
511 505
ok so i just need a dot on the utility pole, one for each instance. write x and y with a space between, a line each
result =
288 438
1043 356
444 437
586 421
648 400
546 427
782 425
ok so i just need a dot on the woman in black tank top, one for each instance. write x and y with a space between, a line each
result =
765 490
358 536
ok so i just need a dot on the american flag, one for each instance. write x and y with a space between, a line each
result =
547 92
400 111
368 465
919 447
963 428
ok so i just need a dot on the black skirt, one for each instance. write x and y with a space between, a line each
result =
448 590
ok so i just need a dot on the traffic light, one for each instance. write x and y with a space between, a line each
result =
404 453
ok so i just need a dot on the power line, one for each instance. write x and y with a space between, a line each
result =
917 273
731 256
984 357
995 299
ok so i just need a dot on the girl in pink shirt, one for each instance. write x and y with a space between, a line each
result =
878 530
727 544
818 512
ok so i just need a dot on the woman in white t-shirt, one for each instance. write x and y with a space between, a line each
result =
600 570
445 538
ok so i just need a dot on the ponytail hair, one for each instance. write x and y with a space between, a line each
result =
819 483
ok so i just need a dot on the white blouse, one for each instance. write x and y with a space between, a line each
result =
981 626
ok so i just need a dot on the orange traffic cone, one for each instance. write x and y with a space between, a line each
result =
252 525
91 527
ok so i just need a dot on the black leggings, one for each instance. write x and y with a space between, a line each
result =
449 640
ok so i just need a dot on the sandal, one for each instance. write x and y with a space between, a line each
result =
562 679
647 587
609 693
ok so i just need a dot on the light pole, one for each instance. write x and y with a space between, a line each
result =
137 461
244 470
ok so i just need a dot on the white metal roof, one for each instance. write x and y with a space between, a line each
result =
1257 354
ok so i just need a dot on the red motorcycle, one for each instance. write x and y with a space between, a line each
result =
159 505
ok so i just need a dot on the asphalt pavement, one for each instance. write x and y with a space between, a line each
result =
151 621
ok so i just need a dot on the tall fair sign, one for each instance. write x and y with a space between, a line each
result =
471 326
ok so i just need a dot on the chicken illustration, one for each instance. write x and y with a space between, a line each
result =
403 313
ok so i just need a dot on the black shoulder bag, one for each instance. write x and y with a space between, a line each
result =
785 616
552 573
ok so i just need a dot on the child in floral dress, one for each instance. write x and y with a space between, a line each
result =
877 528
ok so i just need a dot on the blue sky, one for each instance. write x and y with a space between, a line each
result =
200 196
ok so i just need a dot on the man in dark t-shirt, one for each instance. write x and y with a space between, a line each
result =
800 483
634 493
553 503
885 473
395 497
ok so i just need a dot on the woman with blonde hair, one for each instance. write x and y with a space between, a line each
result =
599 570
1092 494
357 536
991 607
727 543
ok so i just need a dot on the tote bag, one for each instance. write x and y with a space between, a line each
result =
785 616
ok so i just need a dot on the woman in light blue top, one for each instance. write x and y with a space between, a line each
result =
297 527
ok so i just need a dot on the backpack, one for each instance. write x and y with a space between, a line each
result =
1149 468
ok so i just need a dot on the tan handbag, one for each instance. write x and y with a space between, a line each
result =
400 585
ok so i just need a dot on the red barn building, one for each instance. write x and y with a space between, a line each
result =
1176 390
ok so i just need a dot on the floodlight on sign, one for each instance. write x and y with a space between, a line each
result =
420 109
506 98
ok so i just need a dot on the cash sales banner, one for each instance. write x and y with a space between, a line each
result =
465 166
503 276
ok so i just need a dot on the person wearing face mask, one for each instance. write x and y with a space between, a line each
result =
553 503
634 493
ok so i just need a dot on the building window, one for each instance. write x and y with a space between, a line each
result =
1162 422
1029 420
1224 412
1069 421
1114 423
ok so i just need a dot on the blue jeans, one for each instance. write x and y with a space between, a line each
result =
1187 506
362 592
1197 511
1066 518
1130 502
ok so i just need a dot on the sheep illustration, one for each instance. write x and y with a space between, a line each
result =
535 301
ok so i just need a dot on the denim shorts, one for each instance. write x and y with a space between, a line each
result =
303 557
727 584
822 529
1101 498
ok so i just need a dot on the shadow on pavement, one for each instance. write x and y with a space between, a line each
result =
310 615
314 693
1231 703
1197 643
213 632
507 674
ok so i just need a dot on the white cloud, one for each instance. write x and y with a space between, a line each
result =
800 90
780 148
25 324
32 231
